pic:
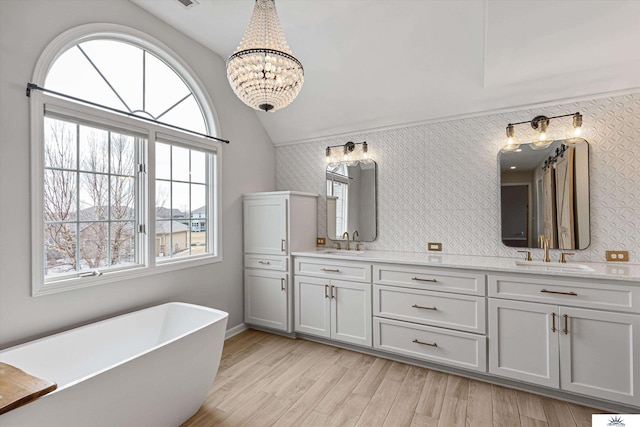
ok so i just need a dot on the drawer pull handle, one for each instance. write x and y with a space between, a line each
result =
326 287
566 324
426 343
334 295
331 270
282 284
573 294
553 322
264 262
423 280
425 308
282 242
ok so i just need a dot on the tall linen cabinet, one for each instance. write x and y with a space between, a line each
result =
275 225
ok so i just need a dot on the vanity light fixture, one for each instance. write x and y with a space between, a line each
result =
262 71
542 141
347 149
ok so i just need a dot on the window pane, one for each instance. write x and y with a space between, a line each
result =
123 154
198 200
163 161
198 242
72 74
180 164
60 248
60 144
180 239
163 199
198 166
122 243
60 195
163 86
187 114
180 200
121 65
94 149
94 196
123 197
94 245
163 239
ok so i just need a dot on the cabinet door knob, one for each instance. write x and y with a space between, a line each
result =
426 343
424 308
423 280
553 322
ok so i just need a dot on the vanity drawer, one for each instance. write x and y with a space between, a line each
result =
438 345
343 270
436 279
455 311
580 293
267 262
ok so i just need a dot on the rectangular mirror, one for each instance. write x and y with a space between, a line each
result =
545 192
351 200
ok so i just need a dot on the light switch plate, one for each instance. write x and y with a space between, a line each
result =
321 241
433 246
618 256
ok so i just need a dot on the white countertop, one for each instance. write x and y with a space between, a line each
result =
601 270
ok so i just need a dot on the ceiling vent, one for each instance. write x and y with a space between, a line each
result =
188 3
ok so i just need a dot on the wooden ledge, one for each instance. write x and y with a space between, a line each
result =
17 388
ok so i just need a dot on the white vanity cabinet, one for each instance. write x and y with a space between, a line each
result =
275 224
433 314
328 306
562 344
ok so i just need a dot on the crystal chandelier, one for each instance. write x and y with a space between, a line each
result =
263 71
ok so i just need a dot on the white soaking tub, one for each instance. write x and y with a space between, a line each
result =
152 368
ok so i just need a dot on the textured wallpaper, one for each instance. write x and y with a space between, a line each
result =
439 182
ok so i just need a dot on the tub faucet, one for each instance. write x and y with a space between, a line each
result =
346 233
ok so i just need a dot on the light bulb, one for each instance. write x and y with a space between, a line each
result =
328 155
512 143
575 134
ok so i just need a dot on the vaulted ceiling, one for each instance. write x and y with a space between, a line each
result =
377 63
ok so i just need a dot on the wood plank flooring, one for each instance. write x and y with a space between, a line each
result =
269 380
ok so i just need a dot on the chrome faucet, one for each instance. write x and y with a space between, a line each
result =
346 233
545 241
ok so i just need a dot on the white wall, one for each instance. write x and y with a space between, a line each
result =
26 27
438 182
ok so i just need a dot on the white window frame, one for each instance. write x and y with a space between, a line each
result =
40 103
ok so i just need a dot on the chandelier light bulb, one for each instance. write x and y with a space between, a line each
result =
262 71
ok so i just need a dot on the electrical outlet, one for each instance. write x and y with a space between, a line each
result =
433 246
321 241
618 256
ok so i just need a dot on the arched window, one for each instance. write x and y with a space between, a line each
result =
126 77
114 196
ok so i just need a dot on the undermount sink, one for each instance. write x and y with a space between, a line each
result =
343 252
551 266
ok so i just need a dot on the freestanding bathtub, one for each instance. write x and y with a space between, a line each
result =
148 368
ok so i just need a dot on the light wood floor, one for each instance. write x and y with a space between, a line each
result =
268 380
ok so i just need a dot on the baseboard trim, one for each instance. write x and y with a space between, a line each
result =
235 330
